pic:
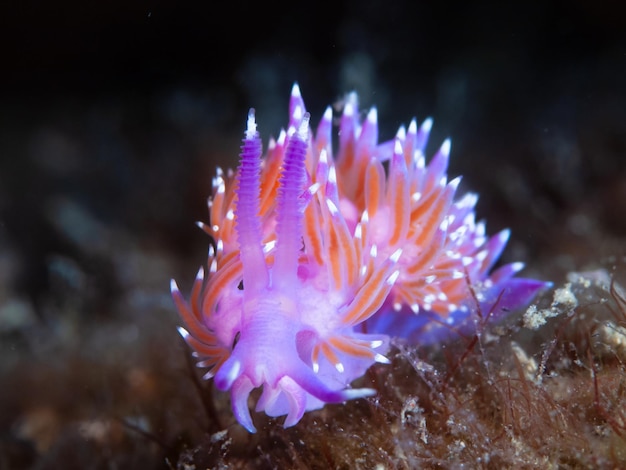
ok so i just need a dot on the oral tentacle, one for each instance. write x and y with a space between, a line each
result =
297 400
239 394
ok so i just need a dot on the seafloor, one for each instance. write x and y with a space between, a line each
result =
112 120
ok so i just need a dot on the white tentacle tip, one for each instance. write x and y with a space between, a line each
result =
251 125
372 116
391 280
395 256
427 125
295 90
303 128
517 266
352 393
334 210
445 147
328 114
381 359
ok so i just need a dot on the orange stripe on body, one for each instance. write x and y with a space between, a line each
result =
315 249
427 257
374 182
345 172
269 183
400 210
335 259
423 207
351 347
221 280
435 217
195 327
358 198
224 259
315 354
216 214
402 295
195 298
330 354
346 247
368 299
207 351
398 198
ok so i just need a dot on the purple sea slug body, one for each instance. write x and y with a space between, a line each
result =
317 260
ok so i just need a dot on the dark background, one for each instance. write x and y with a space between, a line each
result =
113 116
124 108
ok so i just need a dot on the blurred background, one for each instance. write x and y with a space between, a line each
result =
114 115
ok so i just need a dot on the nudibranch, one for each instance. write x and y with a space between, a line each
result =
317 259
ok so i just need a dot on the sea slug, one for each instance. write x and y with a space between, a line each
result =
316 259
